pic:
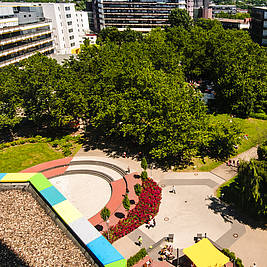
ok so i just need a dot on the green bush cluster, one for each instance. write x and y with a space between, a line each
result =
137 189
231 255
260 116
262 151
65 144
144 175
137 257
126 202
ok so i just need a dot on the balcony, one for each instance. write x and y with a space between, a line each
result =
24 37
19 58
25 26
22 47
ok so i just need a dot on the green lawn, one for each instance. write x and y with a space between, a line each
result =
17 158
257 133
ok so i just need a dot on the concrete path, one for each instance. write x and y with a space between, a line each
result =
193 209
228 172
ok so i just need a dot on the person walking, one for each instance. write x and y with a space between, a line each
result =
173 189
140 241
154 222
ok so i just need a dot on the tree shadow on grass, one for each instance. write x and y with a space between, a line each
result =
230 213
9 258
116 146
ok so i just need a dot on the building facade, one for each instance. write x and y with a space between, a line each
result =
258 25
69 26
229 9
23 32
137 15
239 24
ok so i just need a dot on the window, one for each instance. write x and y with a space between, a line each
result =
69 23
71 37
72 44
70 30
68 16
67 8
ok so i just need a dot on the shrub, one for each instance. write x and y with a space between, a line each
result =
137 257
262 151
126 202
137 189
105 213
144 163
147 207
144 175
231 255
261 116
66 151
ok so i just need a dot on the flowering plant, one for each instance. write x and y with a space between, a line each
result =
147 207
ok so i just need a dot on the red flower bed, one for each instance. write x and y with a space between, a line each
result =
148 206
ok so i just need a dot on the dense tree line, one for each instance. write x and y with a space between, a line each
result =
139 88
249 190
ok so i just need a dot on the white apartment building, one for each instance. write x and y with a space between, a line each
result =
69 26
23 32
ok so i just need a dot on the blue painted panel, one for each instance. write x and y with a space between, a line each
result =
85 230
2 175
52 195
104 251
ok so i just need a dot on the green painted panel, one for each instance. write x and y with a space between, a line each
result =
40 182
120 263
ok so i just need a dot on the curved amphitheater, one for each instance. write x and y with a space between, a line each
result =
76 189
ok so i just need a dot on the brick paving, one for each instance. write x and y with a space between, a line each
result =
51 168
115 204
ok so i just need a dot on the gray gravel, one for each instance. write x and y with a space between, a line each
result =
29 237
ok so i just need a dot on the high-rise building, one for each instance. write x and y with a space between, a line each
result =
23 32
258 25
141 15
69 26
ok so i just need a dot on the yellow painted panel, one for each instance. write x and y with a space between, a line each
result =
67 211
17 177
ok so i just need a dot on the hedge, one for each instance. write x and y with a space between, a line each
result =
137 257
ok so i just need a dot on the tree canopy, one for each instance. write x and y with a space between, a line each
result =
141 89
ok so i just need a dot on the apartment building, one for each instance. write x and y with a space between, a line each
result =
258 25
23 32
69 26
139 15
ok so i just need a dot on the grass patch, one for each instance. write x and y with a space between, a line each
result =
256 131
257 134
17 158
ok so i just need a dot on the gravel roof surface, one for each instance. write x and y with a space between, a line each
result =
29 237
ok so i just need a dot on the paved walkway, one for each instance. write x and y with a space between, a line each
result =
193 209
227 172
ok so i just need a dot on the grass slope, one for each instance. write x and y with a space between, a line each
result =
17 158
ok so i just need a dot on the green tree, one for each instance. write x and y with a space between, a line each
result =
144 175
105 213
10 99
144 163
126 202
137 189
180 17
109 34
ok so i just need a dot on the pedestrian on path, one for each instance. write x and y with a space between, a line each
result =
154 222
173 189
140 241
